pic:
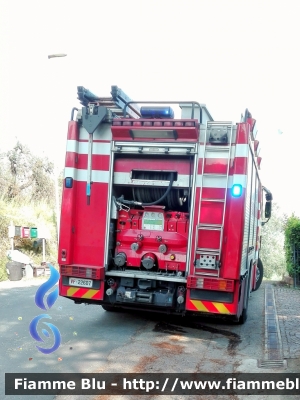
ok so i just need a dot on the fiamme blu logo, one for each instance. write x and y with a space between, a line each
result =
44 299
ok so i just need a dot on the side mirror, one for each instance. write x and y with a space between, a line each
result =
268 209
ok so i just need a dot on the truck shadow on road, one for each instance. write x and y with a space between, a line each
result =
166 327
174 325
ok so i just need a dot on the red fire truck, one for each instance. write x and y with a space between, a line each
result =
160 213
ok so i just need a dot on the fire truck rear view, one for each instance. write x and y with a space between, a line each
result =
161 213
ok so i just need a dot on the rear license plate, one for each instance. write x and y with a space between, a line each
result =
80 282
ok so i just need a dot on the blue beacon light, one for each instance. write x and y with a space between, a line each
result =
236 190
157 112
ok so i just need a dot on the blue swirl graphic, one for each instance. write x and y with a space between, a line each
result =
34 333
46 333
45 287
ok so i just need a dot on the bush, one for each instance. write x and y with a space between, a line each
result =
272 245
292 242
27 199
3 273
29 214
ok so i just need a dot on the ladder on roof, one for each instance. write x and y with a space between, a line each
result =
115 104
96 110
209 237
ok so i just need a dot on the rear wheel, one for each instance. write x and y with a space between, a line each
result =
259 274
244 315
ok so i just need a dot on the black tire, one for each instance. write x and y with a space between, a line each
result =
244 315
259 274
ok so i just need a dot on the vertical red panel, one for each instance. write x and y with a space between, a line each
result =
90 224
242 133
73 132
83 224
68 205
235 215
233 236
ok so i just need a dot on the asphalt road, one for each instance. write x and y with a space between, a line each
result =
94 340
88 334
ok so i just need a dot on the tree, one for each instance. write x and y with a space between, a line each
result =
24 175
272 251
27 198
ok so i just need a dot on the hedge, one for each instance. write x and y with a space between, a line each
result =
292 243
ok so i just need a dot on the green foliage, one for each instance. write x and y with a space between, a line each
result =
292 241
26 176
26 214
4 240
27 199
272 244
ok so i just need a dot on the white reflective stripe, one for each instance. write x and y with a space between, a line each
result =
72 146
216 154
217 181
82 147
208 181
81 175
238 179
241 150
103 132
237 150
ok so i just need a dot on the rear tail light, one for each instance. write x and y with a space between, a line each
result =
137 123
148 123
168 123
189 123
178 123
82 272
199 283
127 123
117 123
211 284
157 123
88 272
222 285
